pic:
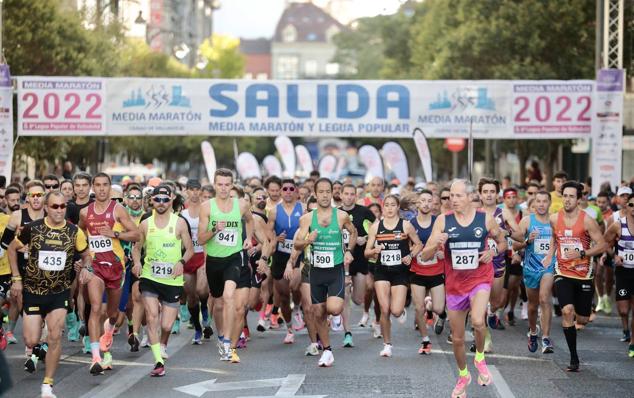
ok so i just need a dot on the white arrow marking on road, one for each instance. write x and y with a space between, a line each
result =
289 386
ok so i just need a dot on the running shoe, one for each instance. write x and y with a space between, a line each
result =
298 319
82 329
510 317
377 330
626 336
158 371
425 348
488 343
532 342
133 341
105 341
386 351
197 337
176 327
274 323
261 325
364 320
96 369
226 346
336 323
347 340
599 307
460 390
164 352
607 305
403 317
3 340
208 332
484 377
573 367
184 313
247 333
312 350
547 346
234 358
439 326
145 343
46 391
11 338
72 327
326 360
86 348
493 321
40 350
430 318
290 338
630 351
106 363
449 339
242 341
31 364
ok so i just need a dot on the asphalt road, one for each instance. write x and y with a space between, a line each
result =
272 369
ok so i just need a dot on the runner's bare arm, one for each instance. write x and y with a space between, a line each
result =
513 226
523 228
12 228
82 218
594 231
612 234
245 211
417 245
186 239
204 232
437 238
136 249
131 233
304 225
371 251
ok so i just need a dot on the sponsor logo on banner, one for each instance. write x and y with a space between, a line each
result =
272 166
248 166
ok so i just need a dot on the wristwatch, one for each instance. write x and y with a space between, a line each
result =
116 234
265 258
582 253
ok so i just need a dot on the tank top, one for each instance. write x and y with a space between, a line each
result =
431 267
327 249
395 242
193 225
499 261
106 251
572 238
162 252
539 247
288 224
228 241
625 245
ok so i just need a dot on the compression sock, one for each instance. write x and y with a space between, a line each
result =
571 339
195 320
156 351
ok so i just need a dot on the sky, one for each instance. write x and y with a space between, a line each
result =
258 18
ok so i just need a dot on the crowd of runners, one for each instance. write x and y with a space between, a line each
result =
87 261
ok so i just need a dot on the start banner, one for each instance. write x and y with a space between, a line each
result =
305 108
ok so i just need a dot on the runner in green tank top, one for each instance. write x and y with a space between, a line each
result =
220 231
163 235
327 273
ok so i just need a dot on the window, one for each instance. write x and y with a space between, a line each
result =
332 68
248 76
262 76
289 34
288 67
310 68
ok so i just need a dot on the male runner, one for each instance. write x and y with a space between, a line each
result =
538 279
51 183
620 236
322 230
162 235
220 230
376 187
337 186
362 219
573 233
5 279
513 276
106 223
462 235
557 202
273 186
43 286
81 187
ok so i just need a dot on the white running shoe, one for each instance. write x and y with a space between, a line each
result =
312 350
145 343
377 330
298 319
386 351
327 359
164 352
364 320
47 391
290 338
403 318
336 324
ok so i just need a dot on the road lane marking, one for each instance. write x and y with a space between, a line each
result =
501 388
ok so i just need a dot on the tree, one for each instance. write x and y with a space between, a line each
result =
360 50
222 56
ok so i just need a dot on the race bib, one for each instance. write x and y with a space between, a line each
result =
464 259
323 259
226 237
391 257
628 257
49 260
541 246
286 246
162 270
346 236
432 261
197 247
568 246
100 244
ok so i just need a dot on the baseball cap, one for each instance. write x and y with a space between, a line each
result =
154 182
624 191
419 187
162 190
193 183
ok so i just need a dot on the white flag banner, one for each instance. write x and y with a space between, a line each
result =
304 159
341 164
327 166
285 147
209 157
395 159
371 159
6 132
272 166
248 166
423 152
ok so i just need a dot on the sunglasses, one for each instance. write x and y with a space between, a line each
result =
630 204
56 206
51 186
161 199
444 198
585 193
260 198
285 189
531 193
135 197
35 194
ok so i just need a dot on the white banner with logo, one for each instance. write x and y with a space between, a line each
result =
209 157
394 159
608 129
6 132
248 166
285 147
304 159
371 159
327 166
424 154
272 166
310 108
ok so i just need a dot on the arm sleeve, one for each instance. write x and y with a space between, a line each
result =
25 236
7 237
